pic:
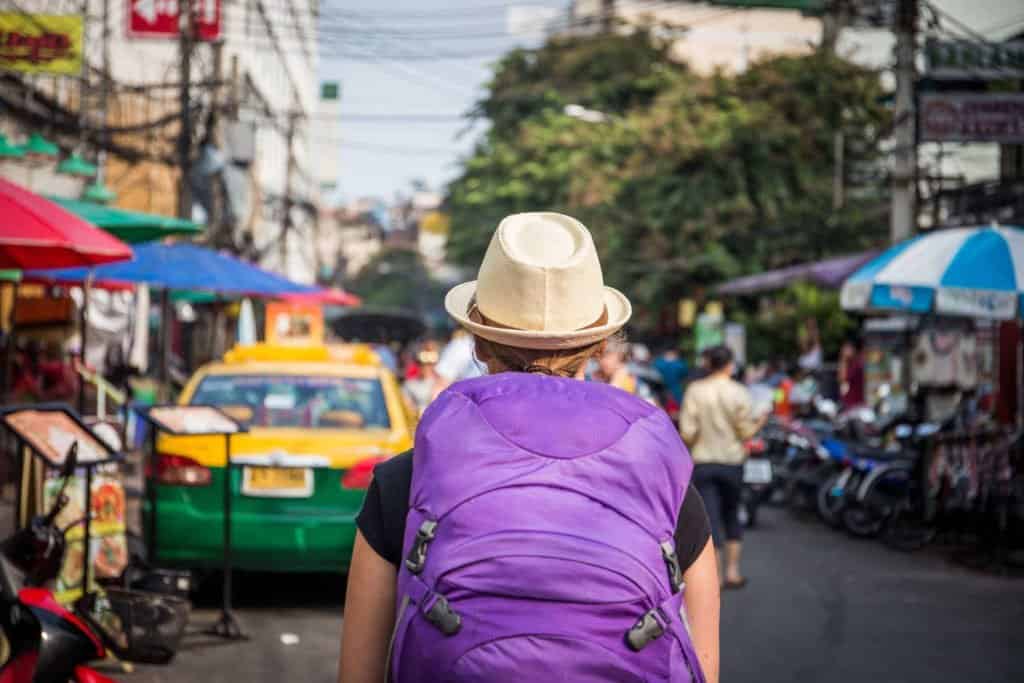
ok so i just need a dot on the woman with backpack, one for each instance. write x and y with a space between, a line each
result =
544 528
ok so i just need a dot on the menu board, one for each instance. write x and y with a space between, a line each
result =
108 549
51 432
192 420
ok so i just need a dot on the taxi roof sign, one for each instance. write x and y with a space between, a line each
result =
356 354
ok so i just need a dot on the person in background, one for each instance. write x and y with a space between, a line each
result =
457 362
673 370
715 421
851 373
422 389
612 368
810 347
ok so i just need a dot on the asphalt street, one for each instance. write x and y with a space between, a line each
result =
819 607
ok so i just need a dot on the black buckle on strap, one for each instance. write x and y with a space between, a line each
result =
443 616
645 631
675 572
417 556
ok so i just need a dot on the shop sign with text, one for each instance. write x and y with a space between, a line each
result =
974 60
951 117
160 18
41 43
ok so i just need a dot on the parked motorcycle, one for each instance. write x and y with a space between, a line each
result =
41 641
757 481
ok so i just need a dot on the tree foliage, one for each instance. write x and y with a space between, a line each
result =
690 179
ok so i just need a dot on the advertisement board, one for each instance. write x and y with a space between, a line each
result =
160 18
957 117
41 43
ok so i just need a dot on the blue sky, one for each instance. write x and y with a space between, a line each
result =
377 49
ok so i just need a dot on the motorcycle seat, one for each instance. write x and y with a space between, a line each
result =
863 452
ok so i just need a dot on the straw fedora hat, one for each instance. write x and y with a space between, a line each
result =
539 287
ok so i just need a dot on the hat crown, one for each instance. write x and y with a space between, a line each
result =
541 273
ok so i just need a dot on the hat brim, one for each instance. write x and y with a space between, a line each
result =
460 298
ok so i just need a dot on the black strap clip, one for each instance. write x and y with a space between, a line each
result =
675 572
417 556
646 630
443 616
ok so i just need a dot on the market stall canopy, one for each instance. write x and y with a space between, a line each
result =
181 267
131 226
36 233
973 272
327 297
828 273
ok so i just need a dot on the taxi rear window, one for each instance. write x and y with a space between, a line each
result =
297 401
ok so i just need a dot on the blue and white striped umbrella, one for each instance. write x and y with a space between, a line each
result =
974 272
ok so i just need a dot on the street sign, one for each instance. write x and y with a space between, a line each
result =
160 19
967 59
949 117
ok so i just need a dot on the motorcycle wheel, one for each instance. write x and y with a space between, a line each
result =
830 506
908 533
862 521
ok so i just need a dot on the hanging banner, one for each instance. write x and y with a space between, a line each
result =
990 117
41 43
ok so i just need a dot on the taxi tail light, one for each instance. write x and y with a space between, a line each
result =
359 476
177 470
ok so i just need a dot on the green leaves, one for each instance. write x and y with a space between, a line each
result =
689 180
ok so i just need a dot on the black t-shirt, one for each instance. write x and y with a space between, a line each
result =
382 519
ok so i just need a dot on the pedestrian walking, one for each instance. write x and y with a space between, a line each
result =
422 389
543 528
715 421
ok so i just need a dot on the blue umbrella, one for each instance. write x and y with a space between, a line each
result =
181 267
973 272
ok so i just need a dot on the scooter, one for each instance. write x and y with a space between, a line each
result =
41 641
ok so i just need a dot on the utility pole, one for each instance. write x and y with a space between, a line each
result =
607 16
104 94
289 173
186 24
838 172
903 214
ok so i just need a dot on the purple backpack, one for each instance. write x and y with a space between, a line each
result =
539 543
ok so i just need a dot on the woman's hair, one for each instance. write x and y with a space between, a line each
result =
559 362
718 357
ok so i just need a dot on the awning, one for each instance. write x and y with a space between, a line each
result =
131 226
36 233
828 273
180 267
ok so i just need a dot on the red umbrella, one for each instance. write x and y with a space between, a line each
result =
36 233
330 297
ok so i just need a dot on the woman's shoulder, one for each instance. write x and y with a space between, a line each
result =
395 472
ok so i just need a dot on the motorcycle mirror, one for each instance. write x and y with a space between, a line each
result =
70 461
67 469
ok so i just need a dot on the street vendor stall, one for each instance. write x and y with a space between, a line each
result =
956 285
947 277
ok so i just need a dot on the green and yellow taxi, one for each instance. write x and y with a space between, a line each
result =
317 420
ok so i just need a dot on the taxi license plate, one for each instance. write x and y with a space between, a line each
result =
277 482
757 472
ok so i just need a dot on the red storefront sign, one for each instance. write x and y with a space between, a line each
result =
955 117
159 18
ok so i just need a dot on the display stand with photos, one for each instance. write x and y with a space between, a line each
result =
195 420
44 435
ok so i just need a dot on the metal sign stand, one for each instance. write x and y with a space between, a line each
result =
162 418
26 446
